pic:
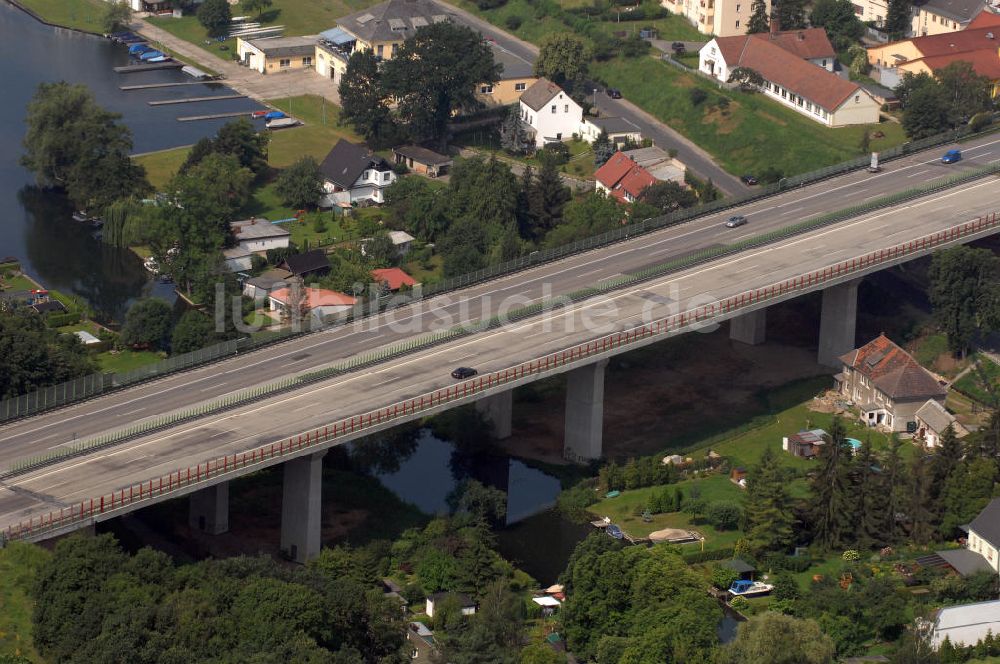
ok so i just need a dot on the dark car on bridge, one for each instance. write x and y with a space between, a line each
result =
463 372
951 156
736 220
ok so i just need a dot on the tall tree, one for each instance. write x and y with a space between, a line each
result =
967 92
928 112
74 144
967 491
832 513
898 19
919 506
364 100
779 639
513 136
193 331
841 23
239 139
435 73
563 58
947 458
215 17
791 14
547 199
759 21
300 185
33 355
603 149
964 294
668 196
117 16
869 499
148 323
893 487
768 506
255 6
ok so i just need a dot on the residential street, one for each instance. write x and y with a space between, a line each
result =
663 136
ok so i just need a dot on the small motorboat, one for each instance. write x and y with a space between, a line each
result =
274 115
747 588
159 58
615 532
80 216
151 265
149 55
281 123
258 114
139 49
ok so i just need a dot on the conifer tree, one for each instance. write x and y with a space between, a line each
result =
768 513
832 510
759 21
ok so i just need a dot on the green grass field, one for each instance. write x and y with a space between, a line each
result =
161 166
972 383
320 133
753 133
79 14
126 360
19 562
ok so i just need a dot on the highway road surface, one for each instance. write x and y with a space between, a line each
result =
73 480
178 391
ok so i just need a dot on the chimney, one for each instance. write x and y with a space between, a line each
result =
775 23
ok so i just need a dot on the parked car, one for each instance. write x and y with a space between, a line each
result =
748 179
463 372
951 156
736 220
614 93
678 47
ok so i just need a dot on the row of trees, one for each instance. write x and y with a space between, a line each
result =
948 99
32 355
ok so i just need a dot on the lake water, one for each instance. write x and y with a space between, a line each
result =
35 226
537 539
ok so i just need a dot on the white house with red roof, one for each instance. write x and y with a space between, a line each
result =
796 66
622 179
315 302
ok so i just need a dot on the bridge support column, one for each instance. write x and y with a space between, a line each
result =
584 412
301 505
837 322
749 328
498 409
209 509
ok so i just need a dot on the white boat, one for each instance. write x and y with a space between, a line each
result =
281 123
744 588
151 265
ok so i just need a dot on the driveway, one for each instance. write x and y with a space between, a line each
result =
242 79
663 136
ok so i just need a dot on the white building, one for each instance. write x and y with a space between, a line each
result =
966 624
790 79
465 603
550 113
269 55
715 17
352 173
933 420
619 130
258 234
238 259
315 302
984 535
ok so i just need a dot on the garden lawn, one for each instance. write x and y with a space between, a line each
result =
320 133
621 510
80 14
161 166
18 283
971 384
930 349
126 360
752 134
19 562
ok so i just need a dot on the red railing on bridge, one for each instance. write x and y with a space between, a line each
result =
214 468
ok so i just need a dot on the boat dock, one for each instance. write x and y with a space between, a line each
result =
215 116
131 69
150 86
166 102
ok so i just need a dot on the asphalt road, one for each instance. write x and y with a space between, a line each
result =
179 391
662 135
74 480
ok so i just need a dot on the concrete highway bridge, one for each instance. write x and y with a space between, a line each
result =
296 427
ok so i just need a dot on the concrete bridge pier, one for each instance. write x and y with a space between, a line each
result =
837 322
209 509
584 412
498 410
301 506
750 328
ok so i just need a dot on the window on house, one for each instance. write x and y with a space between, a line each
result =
486 89
395 47
520 86
307 61
553 108
285 62
559 136
737 24
809 106
565 108
737 8
857 99
824 62
380 48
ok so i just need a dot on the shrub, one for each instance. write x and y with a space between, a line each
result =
851 555
513 22
697 96
319 224
980 121
739 604
723 577
770 175
59 320
705 556
400 168
724 514
558 152
490 4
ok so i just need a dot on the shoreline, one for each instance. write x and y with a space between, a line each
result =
33 14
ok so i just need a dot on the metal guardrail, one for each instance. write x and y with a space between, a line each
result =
264 391
95 384
219 468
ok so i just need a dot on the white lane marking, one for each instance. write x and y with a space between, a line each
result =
919 173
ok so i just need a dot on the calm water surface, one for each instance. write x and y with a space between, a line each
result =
35 226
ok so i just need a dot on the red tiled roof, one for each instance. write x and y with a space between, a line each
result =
893 371
393 276
984 19
620 175
315 297
950 43
807 44
777 65
985 63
